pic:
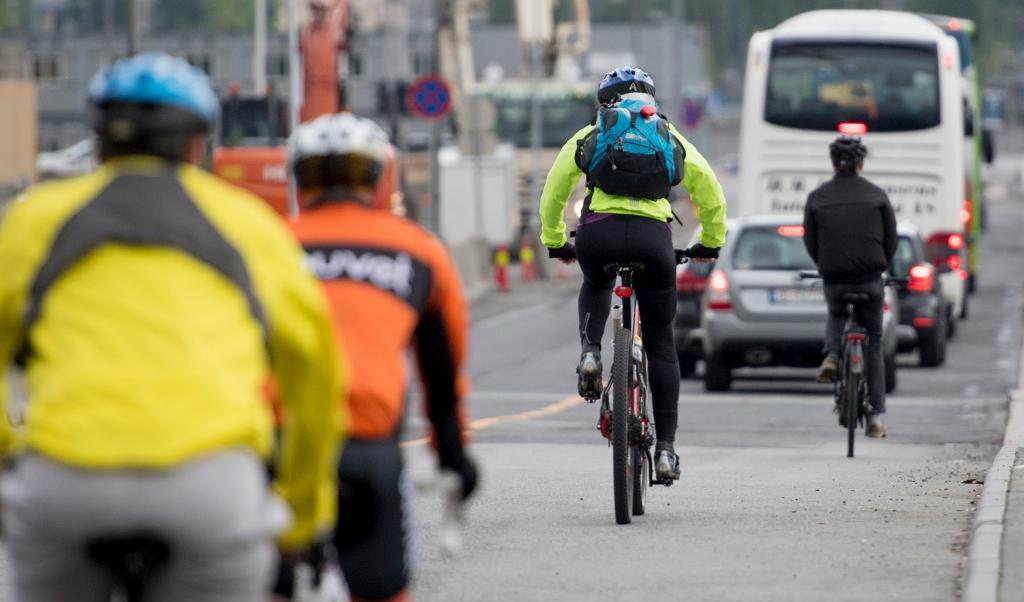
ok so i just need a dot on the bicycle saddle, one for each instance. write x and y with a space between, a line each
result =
856 298
131 559
635 266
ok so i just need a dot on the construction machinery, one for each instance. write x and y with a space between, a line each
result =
251 150
538 112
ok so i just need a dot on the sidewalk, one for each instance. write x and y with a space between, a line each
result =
1012 569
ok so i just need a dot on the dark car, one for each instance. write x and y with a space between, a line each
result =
691 279
924 311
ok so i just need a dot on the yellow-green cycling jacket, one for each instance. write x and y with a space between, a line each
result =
149 302
698 179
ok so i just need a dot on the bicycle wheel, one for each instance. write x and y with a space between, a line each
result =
851 403
641 478
622 462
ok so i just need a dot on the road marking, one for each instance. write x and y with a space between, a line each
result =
483 423
511 396
810 398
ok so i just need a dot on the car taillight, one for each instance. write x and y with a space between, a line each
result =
944 250
718 291
922 278
689 282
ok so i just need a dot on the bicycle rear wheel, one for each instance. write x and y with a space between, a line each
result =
622 451
851 405
641 478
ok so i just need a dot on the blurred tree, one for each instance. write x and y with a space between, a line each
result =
91 16
13 15
213 15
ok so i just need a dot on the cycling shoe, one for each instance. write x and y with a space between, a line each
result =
666 465
589 371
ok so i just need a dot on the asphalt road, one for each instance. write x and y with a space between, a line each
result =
768 507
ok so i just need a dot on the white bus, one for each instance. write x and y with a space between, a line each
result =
892 78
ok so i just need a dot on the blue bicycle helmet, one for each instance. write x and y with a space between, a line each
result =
155 79
623 81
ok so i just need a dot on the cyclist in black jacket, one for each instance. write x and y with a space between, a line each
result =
850 232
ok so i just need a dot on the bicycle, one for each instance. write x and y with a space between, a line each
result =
625 416
850 386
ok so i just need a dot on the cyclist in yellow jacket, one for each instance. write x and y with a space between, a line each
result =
626 218
149 303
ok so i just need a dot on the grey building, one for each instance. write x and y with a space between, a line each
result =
392 42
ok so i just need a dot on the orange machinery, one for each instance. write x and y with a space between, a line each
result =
257 159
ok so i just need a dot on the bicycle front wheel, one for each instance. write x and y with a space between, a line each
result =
622 451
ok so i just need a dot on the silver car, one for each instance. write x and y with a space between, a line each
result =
758 312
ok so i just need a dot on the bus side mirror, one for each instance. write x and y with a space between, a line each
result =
988 146
968 124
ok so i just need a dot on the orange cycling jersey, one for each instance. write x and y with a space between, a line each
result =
391 285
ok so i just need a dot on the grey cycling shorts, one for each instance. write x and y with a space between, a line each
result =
216 514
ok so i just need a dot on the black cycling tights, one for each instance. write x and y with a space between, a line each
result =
608 239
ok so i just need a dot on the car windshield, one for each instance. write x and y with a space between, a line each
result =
887 87
772 248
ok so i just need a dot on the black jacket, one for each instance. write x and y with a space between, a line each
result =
850 229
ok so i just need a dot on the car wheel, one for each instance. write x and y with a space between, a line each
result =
687 364
950 324
972 284
963 308
717 374
890 373
932 351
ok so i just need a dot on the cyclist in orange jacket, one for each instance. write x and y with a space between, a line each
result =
391 286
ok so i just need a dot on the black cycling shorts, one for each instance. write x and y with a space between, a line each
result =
373 519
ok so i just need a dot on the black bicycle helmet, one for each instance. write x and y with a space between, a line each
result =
847 152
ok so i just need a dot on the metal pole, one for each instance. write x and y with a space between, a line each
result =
478 176
441 13
259 49
535 131
133 29
294 66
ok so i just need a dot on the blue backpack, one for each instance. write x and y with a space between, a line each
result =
630 152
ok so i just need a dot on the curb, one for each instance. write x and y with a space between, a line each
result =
984 553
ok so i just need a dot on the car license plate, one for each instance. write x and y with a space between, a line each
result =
797 295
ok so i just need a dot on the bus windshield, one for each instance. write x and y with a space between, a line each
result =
887 87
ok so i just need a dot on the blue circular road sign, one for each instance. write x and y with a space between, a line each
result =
429 97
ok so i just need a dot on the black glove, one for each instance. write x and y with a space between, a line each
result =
466 468
699 251
566 252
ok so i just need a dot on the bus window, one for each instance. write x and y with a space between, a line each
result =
888 87
560 119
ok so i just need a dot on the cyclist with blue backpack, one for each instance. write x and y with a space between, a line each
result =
632 157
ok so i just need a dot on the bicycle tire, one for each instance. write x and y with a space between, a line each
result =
851 382
622 464
641 478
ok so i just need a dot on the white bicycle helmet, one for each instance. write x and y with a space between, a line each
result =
333 150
